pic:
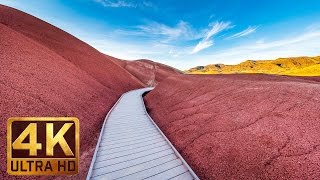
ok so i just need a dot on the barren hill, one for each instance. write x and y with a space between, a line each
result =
242 126
45 71
148 72
297 66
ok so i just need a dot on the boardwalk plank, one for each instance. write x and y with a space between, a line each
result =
132 147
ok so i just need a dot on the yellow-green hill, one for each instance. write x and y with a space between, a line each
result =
296 66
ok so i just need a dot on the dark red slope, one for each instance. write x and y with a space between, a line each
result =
120 62
242 126
144 69
70 48
148 72
39 78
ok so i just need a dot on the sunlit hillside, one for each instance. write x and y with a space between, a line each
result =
297 66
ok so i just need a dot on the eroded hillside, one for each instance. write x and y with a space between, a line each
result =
242 126
45 71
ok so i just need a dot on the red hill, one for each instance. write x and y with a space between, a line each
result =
148 72
47 72
242 126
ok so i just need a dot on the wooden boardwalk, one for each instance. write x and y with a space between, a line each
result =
131 146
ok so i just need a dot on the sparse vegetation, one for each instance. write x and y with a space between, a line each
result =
296 66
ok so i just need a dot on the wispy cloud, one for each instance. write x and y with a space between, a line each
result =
123 3
152 30
203 44
181 30
246 32
207 40
303 44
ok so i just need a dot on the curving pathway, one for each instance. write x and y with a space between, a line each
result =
131 146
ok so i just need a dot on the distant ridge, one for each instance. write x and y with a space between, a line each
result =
295 66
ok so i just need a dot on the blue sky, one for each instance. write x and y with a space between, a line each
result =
186 33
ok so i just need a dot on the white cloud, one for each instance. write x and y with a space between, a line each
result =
123 3
217 27
211 16
128 51
206 40
203 44
182 31
306 43
131 50
155 28
117 3
246 32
